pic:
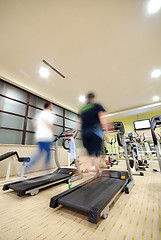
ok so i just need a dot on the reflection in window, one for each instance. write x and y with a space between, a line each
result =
30 139
37 102
58 110
11 121
16 93
13 107
33 112
10 137
71 115
69 123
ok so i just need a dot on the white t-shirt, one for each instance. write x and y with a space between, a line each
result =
43 132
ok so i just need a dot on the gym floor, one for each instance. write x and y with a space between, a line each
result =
135 216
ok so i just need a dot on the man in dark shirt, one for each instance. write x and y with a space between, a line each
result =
94 122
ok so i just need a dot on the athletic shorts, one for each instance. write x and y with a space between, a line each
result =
92 142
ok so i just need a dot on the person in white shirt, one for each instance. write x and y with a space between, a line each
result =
43 124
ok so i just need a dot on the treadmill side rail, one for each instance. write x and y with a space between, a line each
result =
96 212
129 186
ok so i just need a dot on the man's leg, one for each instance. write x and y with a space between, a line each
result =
96 150
47 146
37 156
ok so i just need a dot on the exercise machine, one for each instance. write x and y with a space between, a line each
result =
141 156
95 195
112 152
33 185
156 122
132 153
145 154
14 156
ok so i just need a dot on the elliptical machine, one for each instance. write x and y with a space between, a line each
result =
132 153
112 150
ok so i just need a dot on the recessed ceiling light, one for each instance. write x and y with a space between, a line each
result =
154 6
155 98
82 99
44 72
156 73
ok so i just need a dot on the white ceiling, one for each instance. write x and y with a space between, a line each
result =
109 47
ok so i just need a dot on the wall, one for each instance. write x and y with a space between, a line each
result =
128 121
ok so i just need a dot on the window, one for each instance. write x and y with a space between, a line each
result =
69 123
71 115
10 136
17 109
12 106
11 121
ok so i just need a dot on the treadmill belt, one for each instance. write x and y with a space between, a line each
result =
37 181
98 192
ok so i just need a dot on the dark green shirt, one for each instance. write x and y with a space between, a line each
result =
89 115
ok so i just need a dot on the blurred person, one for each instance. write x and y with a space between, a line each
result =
94 121
43 125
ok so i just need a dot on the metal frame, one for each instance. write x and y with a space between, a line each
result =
158 156
156 121
16 158
35 191
133 158
73 177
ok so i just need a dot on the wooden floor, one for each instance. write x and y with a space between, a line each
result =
133 217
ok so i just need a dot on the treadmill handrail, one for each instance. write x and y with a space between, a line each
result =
119 140
9 154
119 126
64 141
156 120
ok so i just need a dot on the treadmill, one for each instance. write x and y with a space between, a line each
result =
95 195
33 185
156 122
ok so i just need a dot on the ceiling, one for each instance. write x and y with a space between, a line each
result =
109 47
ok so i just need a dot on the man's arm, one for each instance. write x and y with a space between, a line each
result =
107 125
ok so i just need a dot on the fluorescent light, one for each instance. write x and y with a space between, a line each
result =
82 99
155 98
156 73
135 109
44 72
154 6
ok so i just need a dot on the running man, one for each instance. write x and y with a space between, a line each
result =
43 125
93 118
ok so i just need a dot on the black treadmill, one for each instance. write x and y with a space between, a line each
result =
95 196
33 185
